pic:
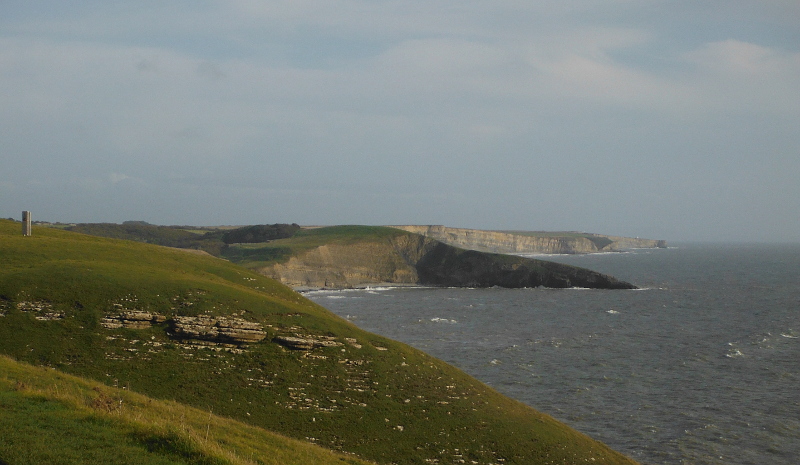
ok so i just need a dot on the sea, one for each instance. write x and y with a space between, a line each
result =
701 365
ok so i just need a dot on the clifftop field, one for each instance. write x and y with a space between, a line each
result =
228 343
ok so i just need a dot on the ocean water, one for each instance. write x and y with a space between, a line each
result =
700 366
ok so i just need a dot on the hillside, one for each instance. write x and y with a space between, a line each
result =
209 334
51 417
531 242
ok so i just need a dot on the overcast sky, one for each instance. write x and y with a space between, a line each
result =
675 120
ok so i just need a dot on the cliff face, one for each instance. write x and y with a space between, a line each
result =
351 265
503 242
414 259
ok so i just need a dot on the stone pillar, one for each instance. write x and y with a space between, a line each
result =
26 223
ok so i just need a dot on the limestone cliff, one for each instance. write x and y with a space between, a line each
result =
351 265
531 243
415 259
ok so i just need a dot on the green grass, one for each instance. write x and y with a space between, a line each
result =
352 233
211 240
252 255
280 250
50 417
373 397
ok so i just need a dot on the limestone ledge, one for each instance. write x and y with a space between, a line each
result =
218 331
306 343
215 329
132 320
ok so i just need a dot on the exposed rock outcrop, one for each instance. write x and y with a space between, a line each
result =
414 259
350 265
306 343
203 329
217 329
132 320
531 243
43 310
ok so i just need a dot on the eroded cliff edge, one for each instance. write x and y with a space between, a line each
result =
415 259
529 242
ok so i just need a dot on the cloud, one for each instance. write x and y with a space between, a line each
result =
117 177
742 76
600 79
733 56
210 70
484 104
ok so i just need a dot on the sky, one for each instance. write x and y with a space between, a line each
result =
665 119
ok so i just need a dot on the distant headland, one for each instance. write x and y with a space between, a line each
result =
350 256
532 242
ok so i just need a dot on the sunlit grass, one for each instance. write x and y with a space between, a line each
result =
51 417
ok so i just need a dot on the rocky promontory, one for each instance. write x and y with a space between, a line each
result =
445 265
522 242
414 259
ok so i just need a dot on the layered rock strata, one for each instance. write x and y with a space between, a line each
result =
213 329
306 343
526 243
132 320
217 329
350 265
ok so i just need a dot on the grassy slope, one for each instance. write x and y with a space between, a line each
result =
50 417
266 253
396 405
